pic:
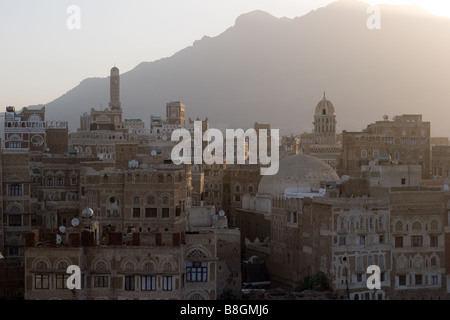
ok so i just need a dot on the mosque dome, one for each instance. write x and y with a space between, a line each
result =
325 107
297 171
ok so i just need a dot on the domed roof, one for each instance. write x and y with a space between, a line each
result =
297 171
325 107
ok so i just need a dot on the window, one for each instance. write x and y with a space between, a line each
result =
433 261
167 283
363 153
359 277
151 212
49 182
14 145
101 281
61 281
403 181
151 200
136 212
381 238
14 190
196 271
418 279
402 280
362 239
342 240
399 242
165 212
376 154
434 279
416 241
165 200
433 241
148 283
389 140
15 220
115 213
60 182
136 200
237 197
13 250
237 188
41 281
129 283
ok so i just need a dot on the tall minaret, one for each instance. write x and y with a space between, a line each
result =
114 101
325 122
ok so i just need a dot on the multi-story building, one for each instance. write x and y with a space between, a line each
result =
197 264
405 139
306 219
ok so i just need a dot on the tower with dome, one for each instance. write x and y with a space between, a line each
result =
323 142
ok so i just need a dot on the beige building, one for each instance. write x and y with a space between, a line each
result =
405 139
323 142
306 219
197 264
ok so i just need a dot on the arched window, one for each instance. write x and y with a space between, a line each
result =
151 200
136 200
398 226
167 266
112 207
363 153
434 224
101 267
417 226
42 265
62 265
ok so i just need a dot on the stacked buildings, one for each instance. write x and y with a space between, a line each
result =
109 199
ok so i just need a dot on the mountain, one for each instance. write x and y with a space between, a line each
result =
274 70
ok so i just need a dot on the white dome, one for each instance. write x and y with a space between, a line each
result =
297 171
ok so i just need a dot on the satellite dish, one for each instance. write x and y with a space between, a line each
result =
153 153
87 212
164 138
221 213
75 222
58 239
62 229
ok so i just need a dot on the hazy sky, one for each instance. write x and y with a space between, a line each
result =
41 58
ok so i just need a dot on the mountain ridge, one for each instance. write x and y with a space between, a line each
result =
274 70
